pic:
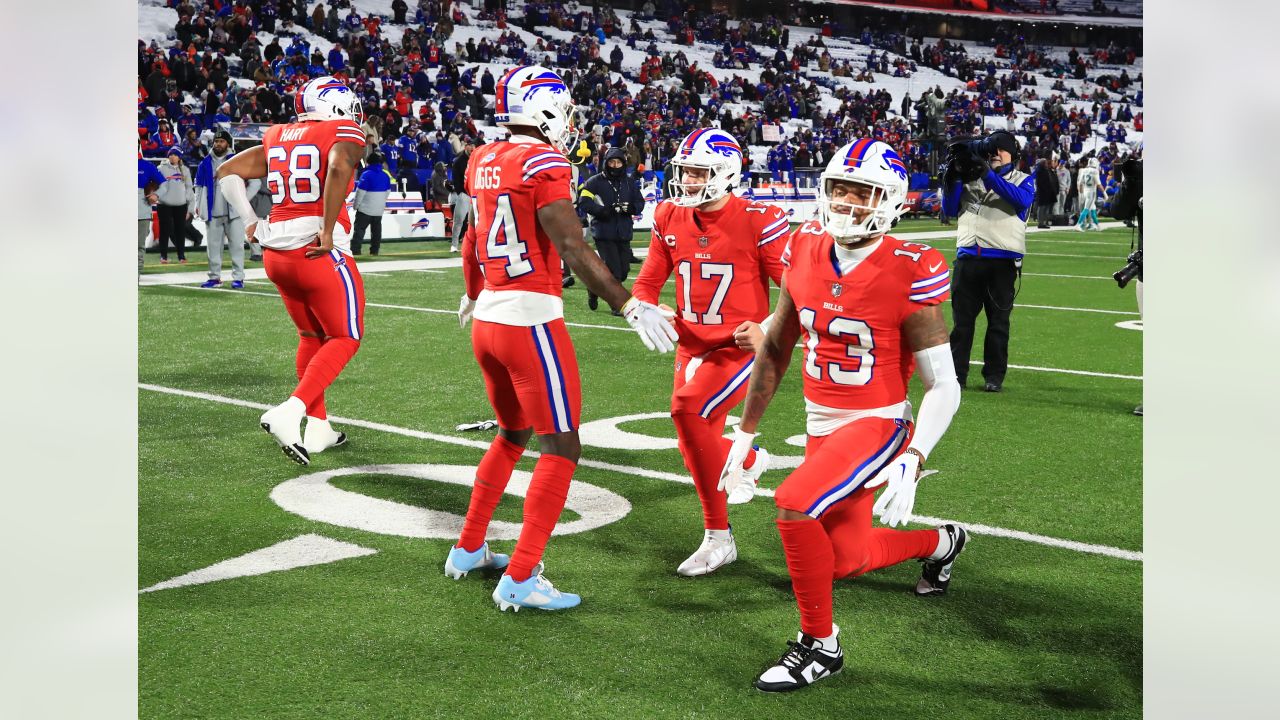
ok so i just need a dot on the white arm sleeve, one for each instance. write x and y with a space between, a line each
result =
941 396
233 189
765 323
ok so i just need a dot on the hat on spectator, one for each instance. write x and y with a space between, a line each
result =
223 135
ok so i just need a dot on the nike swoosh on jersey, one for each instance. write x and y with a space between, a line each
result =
935 267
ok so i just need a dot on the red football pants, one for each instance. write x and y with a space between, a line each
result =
839 540
325 297
705 389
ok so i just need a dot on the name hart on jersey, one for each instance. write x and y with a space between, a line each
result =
290 134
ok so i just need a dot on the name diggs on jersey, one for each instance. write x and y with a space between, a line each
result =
488 178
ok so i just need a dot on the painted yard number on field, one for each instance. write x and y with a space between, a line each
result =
313 496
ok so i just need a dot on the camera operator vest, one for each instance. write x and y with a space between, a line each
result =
989 221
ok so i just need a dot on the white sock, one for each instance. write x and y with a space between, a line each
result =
719 534
830 642
293 404
944 545
318 422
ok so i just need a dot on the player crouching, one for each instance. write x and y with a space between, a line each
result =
863 299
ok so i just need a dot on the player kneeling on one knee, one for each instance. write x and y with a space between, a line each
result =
859 297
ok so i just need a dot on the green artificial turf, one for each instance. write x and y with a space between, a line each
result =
1027 630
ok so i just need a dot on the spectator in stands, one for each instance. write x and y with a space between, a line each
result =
165 138
990 243
174 196
222 222
458 197
370 203
399 9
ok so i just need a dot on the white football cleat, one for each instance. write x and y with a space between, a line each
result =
750 479
718 549
284 422
806 661
320 436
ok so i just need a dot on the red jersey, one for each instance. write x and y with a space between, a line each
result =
855 355
723 262
297 160
509 181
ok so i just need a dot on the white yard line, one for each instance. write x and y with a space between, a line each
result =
441 311
1088 373
976 529
1073 277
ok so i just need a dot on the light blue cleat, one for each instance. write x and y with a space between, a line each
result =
536 592
460 562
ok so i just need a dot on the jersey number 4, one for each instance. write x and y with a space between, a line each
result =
855 335
302 162
504 239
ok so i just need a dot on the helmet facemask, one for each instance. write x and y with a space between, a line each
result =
560 125
840 216
716 186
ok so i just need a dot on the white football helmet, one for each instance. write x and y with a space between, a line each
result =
713 150
1093 163
865 162
534 96
327 98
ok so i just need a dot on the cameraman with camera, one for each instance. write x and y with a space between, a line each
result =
1127 205
611 198
983 188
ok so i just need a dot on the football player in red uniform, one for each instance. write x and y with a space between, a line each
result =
523 224
310 168
870 308
724 250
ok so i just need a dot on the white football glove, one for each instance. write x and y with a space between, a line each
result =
901 478
731 474
465 309
650 322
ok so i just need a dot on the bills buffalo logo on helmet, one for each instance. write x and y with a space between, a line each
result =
858 154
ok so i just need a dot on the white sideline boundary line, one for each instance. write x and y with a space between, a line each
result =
977 529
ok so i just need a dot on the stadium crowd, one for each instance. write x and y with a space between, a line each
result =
424 94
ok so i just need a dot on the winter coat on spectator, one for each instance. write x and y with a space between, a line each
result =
459 170
148 175
176 188
372 189
440 183
601 192
209 202
1046 184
